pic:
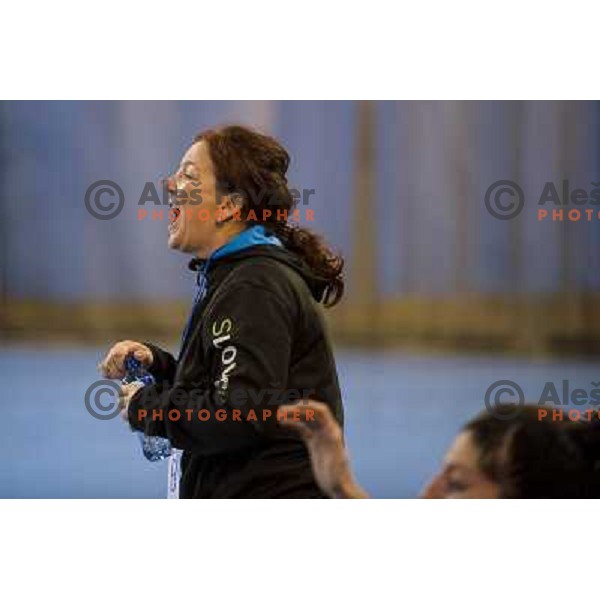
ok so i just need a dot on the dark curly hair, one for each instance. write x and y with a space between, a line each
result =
254 167
533 458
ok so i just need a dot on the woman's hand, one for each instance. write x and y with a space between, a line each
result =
323 437
128 391
113 365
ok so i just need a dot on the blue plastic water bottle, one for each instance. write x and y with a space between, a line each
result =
154 447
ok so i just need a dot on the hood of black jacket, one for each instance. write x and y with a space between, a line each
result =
316 284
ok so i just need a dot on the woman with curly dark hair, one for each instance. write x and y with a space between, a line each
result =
255 338
505 455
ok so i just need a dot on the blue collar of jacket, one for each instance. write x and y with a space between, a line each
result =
255 235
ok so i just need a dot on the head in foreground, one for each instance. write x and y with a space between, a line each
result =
491 457
520 456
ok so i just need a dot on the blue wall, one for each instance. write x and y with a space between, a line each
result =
434 161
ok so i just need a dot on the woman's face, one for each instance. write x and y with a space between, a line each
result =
460 476
197 213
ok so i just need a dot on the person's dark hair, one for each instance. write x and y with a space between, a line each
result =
255 166
533 458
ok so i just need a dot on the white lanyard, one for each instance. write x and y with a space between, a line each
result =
174 474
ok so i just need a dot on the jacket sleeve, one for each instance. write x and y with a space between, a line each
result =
247 336
164 364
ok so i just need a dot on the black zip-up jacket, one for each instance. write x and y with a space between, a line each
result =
257 340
